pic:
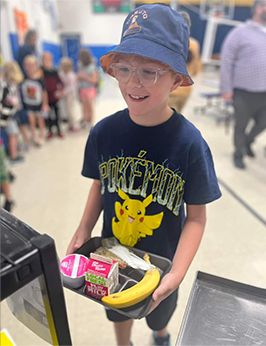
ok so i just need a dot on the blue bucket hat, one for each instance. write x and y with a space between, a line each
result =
155 32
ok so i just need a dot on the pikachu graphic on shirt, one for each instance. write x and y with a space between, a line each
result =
133 223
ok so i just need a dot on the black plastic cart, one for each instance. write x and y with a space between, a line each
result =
31 281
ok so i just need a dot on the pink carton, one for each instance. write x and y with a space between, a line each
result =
101 276
73 268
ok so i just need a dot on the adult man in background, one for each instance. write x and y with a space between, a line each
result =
243 79
29 47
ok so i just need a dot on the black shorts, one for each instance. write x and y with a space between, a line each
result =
21 117
157 319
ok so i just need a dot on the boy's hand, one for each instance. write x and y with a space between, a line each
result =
58 94
80 237
82 75
45 108
168 285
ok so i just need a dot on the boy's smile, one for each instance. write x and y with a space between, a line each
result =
30 68
147 105
47 61
138 98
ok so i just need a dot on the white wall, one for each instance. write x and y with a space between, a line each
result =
74 16
95 29
5 40
42 19
38 17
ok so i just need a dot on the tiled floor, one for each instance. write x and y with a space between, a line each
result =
50 196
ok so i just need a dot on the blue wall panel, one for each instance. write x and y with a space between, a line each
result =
199 25
98 50
54 49
14 45
241 14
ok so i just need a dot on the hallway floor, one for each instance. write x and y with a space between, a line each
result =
50 196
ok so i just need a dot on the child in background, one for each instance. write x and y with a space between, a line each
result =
23 123
151 155
54 87
9 107
69 80
5 183
88 80
179 97
34 98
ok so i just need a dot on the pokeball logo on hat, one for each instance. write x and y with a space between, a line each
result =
133 28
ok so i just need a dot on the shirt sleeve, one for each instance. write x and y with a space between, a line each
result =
42 82
201 186
3 94
90 163
229 53
70 83
91 69
2 88
60 82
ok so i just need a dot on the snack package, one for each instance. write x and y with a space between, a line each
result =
106 253
101 276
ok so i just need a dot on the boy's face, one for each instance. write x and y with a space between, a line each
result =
146 100
47 61
30 67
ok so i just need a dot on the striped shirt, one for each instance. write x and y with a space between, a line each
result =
243 59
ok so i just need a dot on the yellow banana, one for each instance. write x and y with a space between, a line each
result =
135 294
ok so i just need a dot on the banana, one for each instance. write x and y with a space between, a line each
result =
135 294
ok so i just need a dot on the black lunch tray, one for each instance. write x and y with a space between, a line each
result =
128 277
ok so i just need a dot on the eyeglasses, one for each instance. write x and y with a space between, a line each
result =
147 76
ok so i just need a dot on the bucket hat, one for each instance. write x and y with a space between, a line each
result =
155 32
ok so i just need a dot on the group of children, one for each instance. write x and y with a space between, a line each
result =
30 101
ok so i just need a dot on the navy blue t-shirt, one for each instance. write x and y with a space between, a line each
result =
147 174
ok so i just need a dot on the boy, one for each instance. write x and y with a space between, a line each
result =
149 150
54 87
34 98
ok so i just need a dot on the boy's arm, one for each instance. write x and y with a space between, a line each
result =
186 250
90 216
91 79
45 103
60 90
